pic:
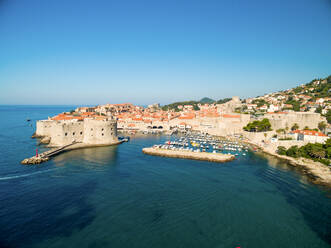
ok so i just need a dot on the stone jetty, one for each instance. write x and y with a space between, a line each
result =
205 156
45 156
35 160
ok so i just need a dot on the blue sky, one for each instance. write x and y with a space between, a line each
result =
95 52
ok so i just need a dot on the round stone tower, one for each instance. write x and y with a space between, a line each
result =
101 131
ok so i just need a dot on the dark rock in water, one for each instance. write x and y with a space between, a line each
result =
34 135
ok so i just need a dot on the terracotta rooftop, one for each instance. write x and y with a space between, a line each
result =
310 132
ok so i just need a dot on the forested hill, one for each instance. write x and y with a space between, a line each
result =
194 103
317 88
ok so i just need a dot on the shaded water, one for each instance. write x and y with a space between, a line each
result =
119 197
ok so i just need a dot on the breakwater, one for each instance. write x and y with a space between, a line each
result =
206 156
45 156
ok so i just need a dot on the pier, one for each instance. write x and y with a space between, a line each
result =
206 156
45 156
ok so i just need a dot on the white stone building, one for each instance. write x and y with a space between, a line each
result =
310 136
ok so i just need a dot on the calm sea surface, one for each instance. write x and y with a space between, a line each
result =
119 197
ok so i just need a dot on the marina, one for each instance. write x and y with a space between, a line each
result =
199 147
197 142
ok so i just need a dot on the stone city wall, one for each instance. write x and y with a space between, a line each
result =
303 119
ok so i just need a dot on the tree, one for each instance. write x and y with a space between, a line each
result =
280 130
295 127
322 126
264 125
258 126
306 128
293 151
328 116
319 109
317 151
328 152
327 143
281 150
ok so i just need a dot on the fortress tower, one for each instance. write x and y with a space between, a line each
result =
100 132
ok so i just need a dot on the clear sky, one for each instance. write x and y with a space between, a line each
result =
95 52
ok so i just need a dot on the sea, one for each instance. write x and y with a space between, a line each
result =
116 196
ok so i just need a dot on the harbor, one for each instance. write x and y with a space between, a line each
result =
109 187
199 146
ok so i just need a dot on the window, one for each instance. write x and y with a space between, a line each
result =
65 134
73 133
102 134
91 129
102 129
81 133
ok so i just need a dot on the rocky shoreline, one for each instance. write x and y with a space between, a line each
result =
317 172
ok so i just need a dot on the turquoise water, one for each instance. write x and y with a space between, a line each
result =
119 197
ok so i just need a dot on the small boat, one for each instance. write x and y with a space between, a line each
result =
28 119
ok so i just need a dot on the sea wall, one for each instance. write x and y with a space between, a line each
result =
206 156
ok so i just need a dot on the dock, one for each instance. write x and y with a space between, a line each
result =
205 156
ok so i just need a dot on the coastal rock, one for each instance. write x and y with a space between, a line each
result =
45 140
34 160
35 135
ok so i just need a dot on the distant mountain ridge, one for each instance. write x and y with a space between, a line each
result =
207 100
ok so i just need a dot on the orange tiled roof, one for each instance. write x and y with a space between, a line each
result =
137 119
310 132
230 116
185 117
